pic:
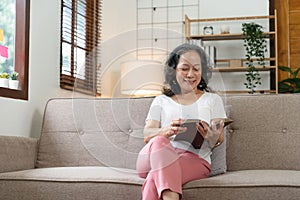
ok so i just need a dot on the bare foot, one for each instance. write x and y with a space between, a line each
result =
169 195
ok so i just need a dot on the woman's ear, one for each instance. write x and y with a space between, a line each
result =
172 64
172 61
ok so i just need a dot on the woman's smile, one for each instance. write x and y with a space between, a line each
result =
188 72
190 82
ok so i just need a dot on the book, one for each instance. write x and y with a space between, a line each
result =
192 135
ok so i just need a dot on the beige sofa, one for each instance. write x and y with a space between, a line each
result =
88 149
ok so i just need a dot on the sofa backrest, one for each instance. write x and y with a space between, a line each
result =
89 132
108 132
265 133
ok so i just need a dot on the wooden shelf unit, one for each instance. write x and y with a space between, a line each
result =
243 92
214 37
239 36
241 69
188 22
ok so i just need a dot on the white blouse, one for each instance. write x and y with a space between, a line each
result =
207 107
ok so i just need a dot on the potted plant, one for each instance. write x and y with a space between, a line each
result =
13 81
291 84
4 79
255 46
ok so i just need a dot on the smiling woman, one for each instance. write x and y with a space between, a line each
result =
14 43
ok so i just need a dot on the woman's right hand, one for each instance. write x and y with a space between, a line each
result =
174 128
152 129
214 134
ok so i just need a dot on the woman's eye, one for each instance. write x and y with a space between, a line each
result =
197 67
185 69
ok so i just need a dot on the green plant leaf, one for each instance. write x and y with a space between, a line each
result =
255 47
286 69
283 87
297 90
292 81
297 82
295 74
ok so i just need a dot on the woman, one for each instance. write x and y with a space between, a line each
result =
167 164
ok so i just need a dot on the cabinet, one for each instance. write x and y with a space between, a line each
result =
222 65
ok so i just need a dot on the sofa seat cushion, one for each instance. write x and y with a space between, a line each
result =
250 178
247 184
71 183
119 183
76 174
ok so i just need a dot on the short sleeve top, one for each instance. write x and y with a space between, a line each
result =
207 107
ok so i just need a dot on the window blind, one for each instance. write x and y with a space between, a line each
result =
80 46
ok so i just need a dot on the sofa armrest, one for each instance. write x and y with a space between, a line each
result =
17 153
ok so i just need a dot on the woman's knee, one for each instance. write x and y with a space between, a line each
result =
142 174
161 140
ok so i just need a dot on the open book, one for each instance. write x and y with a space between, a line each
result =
192 135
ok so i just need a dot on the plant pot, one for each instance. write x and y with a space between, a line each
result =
13 84
4 82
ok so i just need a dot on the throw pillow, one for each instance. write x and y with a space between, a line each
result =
218 157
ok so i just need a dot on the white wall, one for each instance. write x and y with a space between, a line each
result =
24 118
121 35
118 41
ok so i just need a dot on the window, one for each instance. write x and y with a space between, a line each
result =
80 46
14 25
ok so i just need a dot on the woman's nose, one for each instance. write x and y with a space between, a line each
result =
190 73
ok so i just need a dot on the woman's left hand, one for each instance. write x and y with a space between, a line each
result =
214 134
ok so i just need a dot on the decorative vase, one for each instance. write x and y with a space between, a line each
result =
225 29
4 82
13 84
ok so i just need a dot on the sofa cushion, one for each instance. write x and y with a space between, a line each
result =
117 183
77 174
17 153
268 138
76 132
218 157
71 183
250 178
92 132
247 184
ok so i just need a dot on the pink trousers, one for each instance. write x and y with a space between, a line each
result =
167 168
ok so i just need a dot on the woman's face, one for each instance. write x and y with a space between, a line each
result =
188 71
